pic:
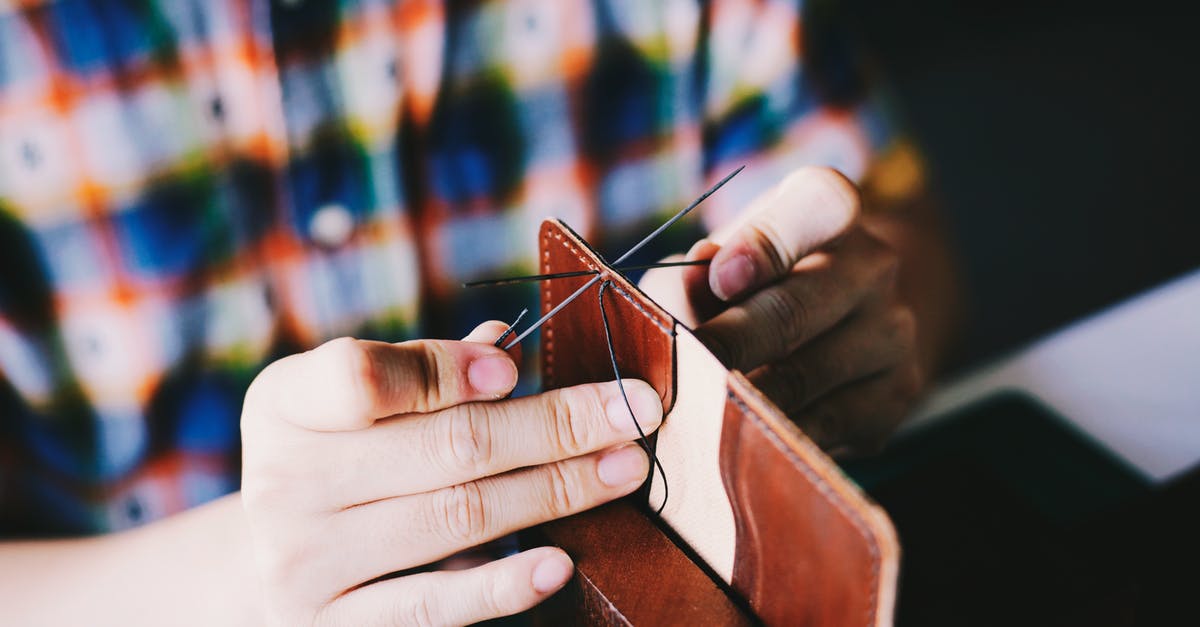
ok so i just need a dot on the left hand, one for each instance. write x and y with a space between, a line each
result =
803 299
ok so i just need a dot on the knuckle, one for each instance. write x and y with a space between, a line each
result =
560 497
496 599
783 311
363 376
257 400
461 514
416 610
469 437
568 410
765 236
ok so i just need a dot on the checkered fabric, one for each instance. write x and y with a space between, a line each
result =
192 188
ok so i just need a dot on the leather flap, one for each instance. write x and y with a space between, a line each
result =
762 506
573 346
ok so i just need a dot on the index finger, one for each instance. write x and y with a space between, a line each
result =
824 290
347 384
806 211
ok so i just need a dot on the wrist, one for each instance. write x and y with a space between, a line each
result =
196 567
193 568
217 563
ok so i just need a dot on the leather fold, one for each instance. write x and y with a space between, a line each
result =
758 509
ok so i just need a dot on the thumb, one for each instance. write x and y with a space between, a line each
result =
808 210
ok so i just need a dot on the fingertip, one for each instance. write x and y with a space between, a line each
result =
645 403
836 193
490 331
701 250
487 332
553 570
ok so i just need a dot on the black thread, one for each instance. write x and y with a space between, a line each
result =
675 218
645 240
566 275
553 312
642 439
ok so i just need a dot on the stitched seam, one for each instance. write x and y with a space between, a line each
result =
584 260
548 333
824 489
658 323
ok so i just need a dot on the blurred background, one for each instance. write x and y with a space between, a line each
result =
1062 138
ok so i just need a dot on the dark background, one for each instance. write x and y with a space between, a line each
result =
1061 138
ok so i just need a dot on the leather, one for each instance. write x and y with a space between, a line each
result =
810 549
689 448
762 512
573 347
660 586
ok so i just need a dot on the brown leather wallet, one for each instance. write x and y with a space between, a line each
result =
759 526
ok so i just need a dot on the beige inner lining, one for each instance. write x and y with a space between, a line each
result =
689 444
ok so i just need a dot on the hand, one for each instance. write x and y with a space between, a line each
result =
803 299
365 459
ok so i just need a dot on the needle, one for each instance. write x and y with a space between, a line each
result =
636 247
567 275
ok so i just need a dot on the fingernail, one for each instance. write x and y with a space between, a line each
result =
623 466
733 276
552 573
646 404
494 375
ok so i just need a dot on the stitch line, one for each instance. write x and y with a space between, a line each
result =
548 331
662 326
629 297
824 490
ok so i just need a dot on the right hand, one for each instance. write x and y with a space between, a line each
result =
362 459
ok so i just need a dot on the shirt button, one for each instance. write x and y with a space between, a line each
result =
331 225
134 509
31 155
216 107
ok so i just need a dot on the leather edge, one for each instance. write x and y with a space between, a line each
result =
863 514
621 285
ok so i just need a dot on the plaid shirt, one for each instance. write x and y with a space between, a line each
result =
192 188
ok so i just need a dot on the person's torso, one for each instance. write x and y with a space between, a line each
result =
191 188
